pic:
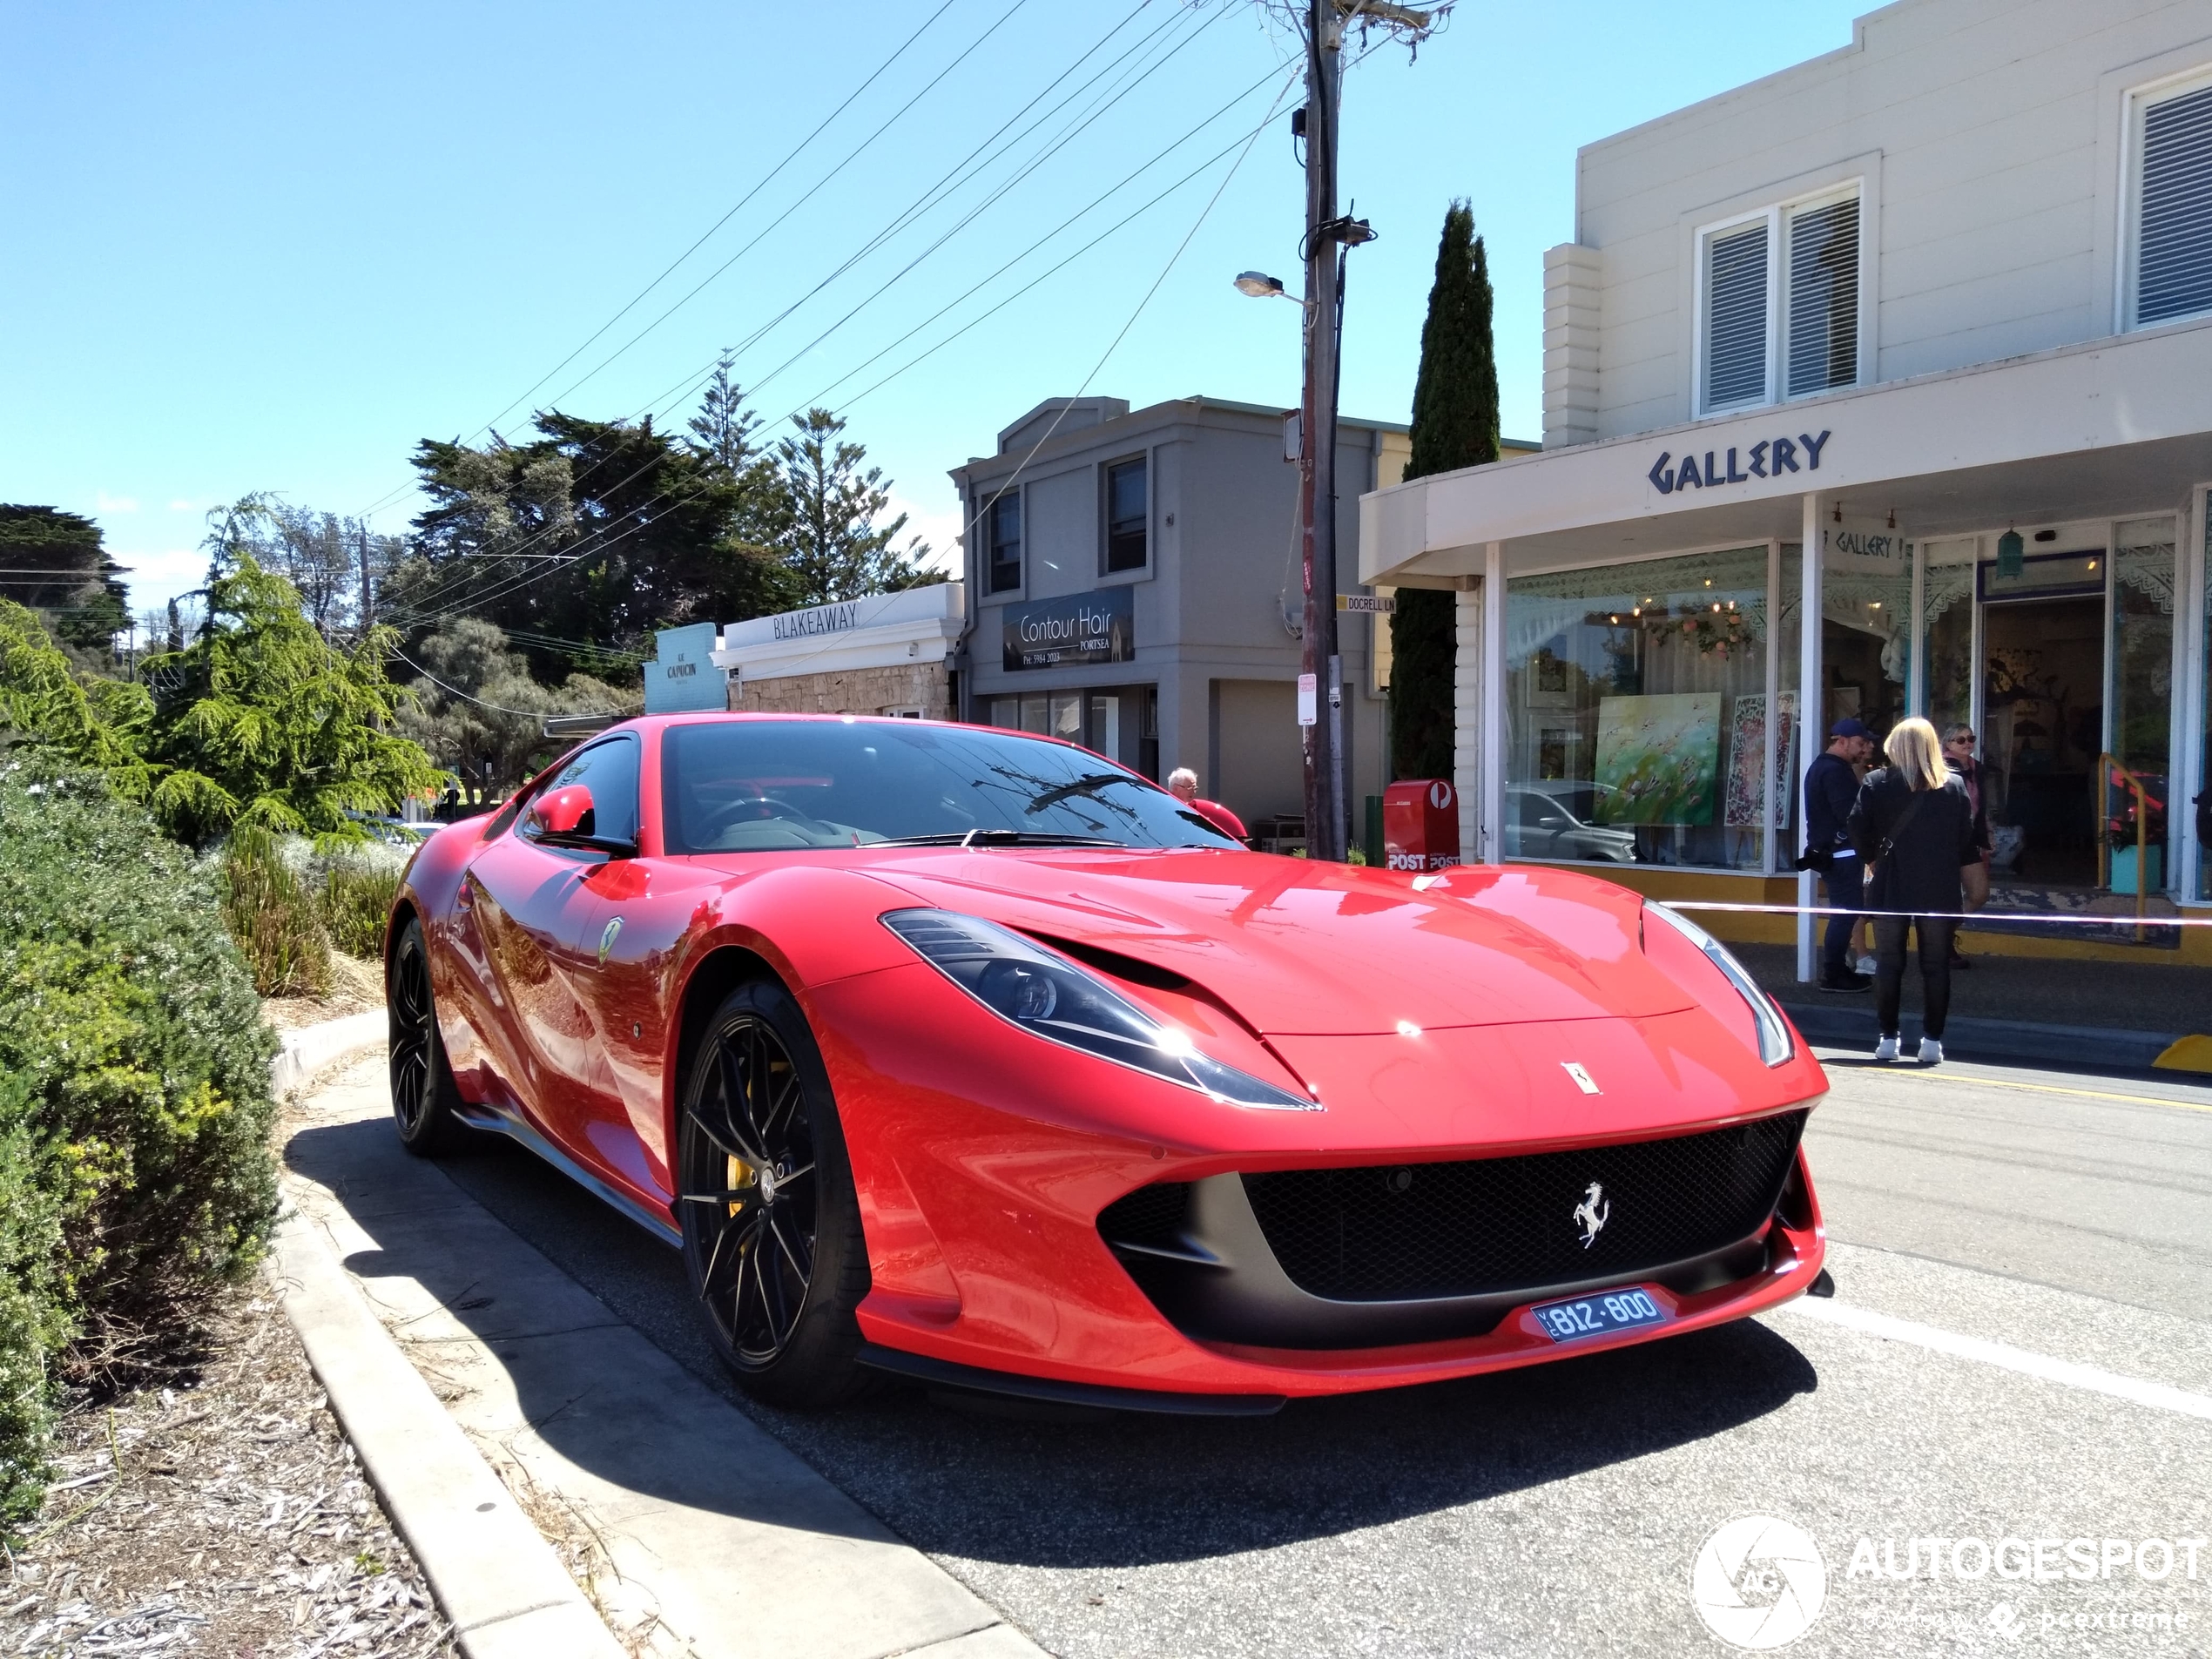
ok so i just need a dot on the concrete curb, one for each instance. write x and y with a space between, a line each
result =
314 1048
494 1574
1848 1023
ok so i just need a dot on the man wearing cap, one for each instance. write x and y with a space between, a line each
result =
1831 785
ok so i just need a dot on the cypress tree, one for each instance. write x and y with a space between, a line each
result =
1455 424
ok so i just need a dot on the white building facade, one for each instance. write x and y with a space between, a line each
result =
1913 340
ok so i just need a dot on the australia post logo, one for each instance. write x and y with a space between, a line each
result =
1421 825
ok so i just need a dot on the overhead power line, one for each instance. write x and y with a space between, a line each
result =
766 179
967 168
510 582
1250 139
956 175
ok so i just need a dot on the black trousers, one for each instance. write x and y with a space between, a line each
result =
1936 935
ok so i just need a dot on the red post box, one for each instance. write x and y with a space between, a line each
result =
1421 824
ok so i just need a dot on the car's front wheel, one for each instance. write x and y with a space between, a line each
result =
771 1225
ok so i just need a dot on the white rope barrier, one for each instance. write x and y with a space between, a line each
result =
1979 918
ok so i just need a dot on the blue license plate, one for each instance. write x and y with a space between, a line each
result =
1593 1316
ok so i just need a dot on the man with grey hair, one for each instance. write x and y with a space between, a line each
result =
1183 784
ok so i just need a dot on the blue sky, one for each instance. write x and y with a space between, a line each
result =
254 247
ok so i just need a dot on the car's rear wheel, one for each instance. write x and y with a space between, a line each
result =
771 1226
425 1102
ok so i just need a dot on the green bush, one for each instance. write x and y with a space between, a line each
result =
354 899
272 915
135 1167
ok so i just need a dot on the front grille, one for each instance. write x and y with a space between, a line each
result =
1149 1216
1483 1225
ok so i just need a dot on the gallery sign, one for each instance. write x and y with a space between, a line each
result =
1769 458
1098 627
1875 548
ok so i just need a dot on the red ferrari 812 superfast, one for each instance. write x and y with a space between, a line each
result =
965 1055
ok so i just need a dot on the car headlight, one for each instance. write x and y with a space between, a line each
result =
1775 1044
1049 997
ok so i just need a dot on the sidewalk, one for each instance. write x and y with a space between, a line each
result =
2119 1015
710 1539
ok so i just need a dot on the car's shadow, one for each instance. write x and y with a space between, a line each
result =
1124 1489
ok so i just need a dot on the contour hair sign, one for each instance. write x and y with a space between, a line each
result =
1769 458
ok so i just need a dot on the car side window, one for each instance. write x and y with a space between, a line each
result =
608 770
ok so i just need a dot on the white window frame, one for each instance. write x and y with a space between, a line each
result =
2137 102
1776 217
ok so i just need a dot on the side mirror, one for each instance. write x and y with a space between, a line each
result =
563 813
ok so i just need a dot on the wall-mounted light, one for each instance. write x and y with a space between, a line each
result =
2011 555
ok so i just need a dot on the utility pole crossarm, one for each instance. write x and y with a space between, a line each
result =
1384 11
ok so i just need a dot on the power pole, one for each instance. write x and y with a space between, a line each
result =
368 591
1328 237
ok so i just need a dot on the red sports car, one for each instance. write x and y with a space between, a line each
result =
969 1055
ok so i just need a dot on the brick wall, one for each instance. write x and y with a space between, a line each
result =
857 691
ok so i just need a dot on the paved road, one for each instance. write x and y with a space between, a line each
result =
1997 1221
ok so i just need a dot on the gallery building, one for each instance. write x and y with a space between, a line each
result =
1880 385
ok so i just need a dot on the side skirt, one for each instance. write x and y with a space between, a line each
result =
515 1128
946 1374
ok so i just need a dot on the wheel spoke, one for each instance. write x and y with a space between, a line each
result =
733 1195
720 1142
737 1126
804 1269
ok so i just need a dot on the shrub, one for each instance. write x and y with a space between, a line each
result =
354 900
135 1169
269 910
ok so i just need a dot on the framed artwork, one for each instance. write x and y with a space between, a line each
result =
1658 758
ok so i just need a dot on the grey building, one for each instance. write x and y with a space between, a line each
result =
1135 586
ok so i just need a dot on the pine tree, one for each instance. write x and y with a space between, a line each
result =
1455 425
830 542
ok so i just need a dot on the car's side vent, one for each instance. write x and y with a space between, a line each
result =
1148 1219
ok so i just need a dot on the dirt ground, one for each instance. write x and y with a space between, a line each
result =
224 1513
355 987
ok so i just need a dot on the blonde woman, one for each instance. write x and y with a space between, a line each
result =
1915 827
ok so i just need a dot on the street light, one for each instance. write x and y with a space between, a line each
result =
1258 285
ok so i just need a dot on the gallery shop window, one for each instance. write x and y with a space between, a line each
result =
1128 513
2168 272
1637 714
1005 541
2141 660
1778 303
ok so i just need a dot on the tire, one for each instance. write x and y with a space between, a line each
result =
426 1103
771 1226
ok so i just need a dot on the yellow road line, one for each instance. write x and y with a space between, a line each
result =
1931 1076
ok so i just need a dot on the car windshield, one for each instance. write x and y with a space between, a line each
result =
777 785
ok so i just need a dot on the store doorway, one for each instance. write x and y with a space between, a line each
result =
2042 730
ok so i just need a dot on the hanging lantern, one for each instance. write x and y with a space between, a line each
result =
2012 555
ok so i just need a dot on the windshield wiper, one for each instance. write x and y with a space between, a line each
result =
998 838
1088 785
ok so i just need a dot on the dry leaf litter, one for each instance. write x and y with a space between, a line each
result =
225 1515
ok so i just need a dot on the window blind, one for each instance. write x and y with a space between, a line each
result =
1736 266
2173 259
1822 329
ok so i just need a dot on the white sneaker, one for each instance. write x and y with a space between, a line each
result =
1866 965
1931 1052
1886 1049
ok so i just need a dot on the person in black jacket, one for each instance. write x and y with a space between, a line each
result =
1915 827
1831 787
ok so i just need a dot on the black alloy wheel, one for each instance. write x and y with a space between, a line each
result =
425 1102
772 1233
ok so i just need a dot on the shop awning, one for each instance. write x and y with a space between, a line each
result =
2112 427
